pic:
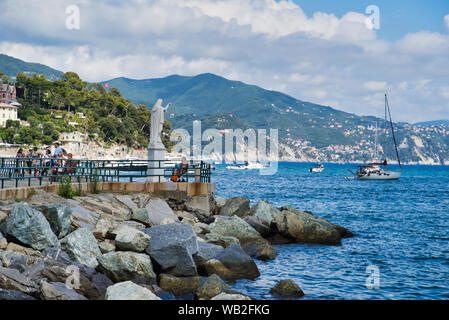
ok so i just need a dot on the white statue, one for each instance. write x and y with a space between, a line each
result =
157 123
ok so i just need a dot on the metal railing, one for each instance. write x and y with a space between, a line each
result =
18 172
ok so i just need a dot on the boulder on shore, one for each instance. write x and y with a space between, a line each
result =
251 240
130 239
220 240
230 296
200 204
305 228
179 285
172 247
159 212
232 264
259 224
264 211
58 291
59 217
260 249
206 251
212 287
30 227
238 206
129 291
81 246
126 265
287 289
234 227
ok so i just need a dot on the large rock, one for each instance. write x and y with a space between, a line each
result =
130 239
106 206
126 200
305 228
30 227
58 291
238 206
172 247
199 204
206 251
260 249
232 264
141 214
58 267
287 289
3 242
81 246
125 265
129 291
82 217
59 217
158 212
230 296
259 224
212 287
18 261
14 295
179 285
264 211
103 228
234 227
3 216
248 237
12 279
220 240
107 246
219 202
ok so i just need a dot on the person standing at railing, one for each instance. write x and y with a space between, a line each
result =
58 150
20 163
70 164
46 161
34 159
58 166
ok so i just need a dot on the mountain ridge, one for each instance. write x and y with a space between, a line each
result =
307 131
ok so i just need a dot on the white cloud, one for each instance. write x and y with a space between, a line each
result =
319 58
375 85
424 43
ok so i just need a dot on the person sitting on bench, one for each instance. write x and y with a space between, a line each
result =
180 171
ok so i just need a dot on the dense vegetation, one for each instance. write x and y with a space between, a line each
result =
51 107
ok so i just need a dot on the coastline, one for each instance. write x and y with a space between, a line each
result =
212 242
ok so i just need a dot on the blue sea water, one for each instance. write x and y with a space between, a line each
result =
401 227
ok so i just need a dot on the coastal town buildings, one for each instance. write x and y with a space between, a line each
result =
8 103
73 140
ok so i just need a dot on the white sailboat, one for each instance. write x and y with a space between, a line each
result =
318 168
378 170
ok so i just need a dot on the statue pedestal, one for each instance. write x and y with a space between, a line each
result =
156 152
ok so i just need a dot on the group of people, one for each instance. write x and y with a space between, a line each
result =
39 163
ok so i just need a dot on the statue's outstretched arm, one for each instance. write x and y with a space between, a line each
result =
166 107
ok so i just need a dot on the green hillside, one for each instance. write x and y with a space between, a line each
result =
11 67
259 108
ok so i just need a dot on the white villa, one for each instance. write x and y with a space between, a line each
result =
8 103
7 112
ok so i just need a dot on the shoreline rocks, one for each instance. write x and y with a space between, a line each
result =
287 289
137 247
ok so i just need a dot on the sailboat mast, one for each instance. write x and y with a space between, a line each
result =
392 131
375 146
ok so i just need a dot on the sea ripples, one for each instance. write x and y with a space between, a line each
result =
400 226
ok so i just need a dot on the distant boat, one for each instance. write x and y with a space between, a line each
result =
247 166
317 168
378 170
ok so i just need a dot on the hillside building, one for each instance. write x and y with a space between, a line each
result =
8 103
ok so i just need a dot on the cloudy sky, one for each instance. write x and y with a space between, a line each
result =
327 52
